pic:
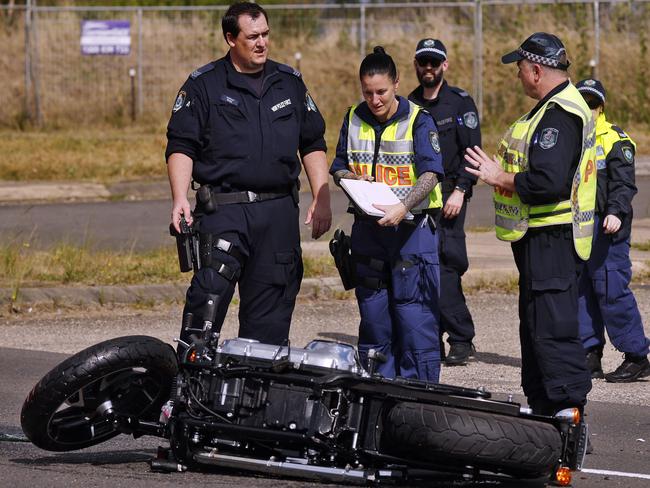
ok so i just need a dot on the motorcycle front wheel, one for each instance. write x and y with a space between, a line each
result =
447 436
129 375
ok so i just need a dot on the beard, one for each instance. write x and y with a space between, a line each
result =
430 83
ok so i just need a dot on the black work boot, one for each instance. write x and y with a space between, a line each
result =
594 355
631 369
459 353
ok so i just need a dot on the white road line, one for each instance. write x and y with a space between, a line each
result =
617 473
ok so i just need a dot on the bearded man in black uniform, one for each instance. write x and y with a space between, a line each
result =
458 126
236 129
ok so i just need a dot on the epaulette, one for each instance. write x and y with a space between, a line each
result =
203 69
459 91
620 132
285 68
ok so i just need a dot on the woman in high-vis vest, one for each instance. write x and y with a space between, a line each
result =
388 139
606 301
545 187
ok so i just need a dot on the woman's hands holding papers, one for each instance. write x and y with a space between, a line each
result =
394 214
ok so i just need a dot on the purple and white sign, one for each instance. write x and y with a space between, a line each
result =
105 37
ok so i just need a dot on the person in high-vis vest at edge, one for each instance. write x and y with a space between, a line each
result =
606 301
545 190
387 138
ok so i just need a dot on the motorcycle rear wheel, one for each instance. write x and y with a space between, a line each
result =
132 375
447 436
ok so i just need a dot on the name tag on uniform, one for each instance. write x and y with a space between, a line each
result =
444 121
282 104
230 100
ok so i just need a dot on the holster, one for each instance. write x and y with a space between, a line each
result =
340 250
187 246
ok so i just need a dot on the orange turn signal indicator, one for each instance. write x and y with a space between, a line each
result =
569 414
563 476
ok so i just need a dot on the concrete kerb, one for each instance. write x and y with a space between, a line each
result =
491 262
491 267
145 295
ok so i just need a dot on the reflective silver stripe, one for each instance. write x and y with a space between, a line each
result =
574 105
510 224
403 126
584 231
399 147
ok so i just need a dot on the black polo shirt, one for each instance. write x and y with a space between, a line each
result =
456 118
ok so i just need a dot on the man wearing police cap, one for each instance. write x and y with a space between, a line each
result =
545 187
606 301
457 120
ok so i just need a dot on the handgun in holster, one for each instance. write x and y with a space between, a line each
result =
340 250
187 245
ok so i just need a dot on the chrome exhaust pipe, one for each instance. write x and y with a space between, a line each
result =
296 469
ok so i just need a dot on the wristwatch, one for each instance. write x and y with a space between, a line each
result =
460 189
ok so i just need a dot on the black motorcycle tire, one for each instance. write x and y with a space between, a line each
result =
133 374
450 436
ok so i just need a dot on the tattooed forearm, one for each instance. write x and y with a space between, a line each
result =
426 182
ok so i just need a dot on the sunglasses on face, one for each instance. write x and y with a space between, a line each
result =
424 62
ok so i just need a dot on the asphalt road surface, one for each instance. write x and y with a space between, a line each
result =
142 225
32 343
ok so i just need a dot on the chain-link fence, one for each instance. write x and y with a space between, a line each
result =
47 80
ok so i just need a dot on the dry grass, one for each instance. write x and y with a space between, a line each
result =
104 154
65 264
641 246
81 92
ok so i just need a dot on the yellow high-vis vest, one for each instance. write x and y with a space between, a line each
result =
395 163
513 217
606 137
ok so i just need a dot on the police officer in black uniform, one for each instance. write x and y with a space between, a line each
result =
458 125
236 129
554 371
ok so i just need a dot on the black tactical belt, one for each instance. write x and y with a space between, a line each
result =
245 197
208 200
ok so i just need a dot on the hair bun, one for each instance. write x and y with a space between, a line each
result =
379 50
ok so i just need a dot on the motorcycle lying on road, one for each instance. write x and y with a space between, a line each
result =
314 412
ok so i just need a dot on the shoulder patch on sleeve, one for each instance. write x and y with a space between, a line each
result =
459 91
548 137
620 131
435 141
203 69
628 153
471 120
285 68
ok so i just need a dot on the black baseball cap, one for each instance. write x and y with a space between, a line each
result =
431 48
592 87
541 48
